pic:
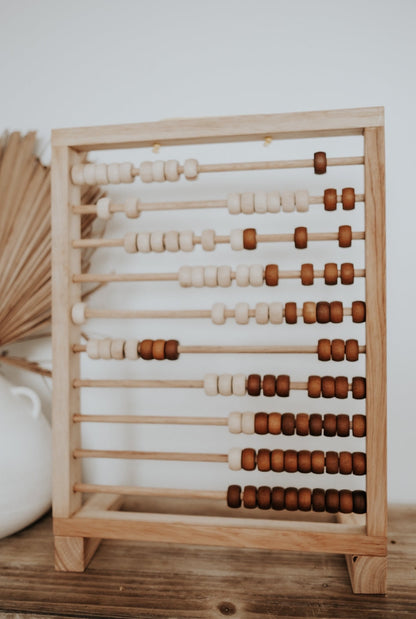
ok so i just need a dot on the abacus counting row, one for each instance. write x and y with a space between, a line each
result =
293 499
303 424
292 461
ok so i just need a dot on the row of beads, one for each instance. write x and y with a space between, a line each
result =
102 173
327 386
133 349
291 461
302 423
292 499
268 202
301 237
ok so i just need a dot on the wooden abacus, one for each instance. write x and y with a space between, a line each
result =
358 529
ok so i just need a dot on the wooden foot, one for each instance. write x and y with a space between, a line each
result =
367 574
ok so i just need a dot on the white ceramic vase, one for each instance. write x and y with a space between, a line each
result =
25 458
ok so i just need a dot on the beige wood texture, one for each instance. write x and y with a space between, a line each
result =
251 350
367 574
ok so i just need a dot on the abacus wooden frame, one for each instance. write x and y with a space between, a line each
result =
78 528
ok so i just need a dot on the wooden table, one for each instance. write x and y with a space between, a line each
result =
129 579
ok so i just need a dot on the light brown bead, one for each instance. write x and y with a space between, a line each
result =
358 387
264 497
318 462
330 424
263 460
158 350
234 496
324 350
269 385
305 499
344 236
331 274
271 275
330 199
337 311
261 423
275 423
359 425
359 500
359 464
341 387
146 349
346 505
288 424
304 461
277 460
347 273
254 384
283 385
331 462
319 162
348 198
343 425
302 424
248 459
358 311
323 312
328 387
318 500
315 424
309 312
278 498
351 350
306 274
291 461
291 499
171 350
250 497
314 386
338 350
301 237
345 463
332 501
291 313
249 238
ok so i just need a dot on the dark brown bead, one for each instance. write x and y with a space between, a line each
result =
264 497
344 236
348 198
307 274
171 350
304 461
283 385
146 349
250 497
291 499
358 387
351 350
248 459
337 311
291 313
341 387
328 386
254 384
158 349
318 462
315 424
291 461
330 424
359 501
343 425
337 350
358 311
302 424
346 505
301 237
331 274
277 460
359 425
249 238
359 464
309 312
330 199
332 501
269 385
319 162
278 498
331 462
314 386
347 273
323 312
275 423
288 424
304 499
261 423
234 496
271 275
324 350
318 500
263 460
345 463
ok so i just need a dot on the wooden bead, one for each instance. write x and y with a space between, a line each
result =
269 385
242 275
291 499
239 384
345 463
347 273
351 350
263 460
234 203
126 172
306 274
237 240
291 461
319 162
103 208
225 384
343 425
288 201
234 459
77 174
90 177
254 384
113 173
305 499
104 348
277 460
346 505
132 208
247 203
264 497
341 387
330 424
117 349
275 423
273 202
158 349
234 423
278 498
276 313
146 172
186 240
336 311
211 384
146 349
262 313
318 500
261 423
288 424
158 171
309 312
344 236
324 350
331 462
208 240
172 170
250 497
358 311
314 386
302 424
331 274
337 350
283 385
315 424
78 313
260 202
304 461
328 387
143 242
323 312
250 238
218 312
359 425
224 276
332 501
301 237
271 275
256 275
156 242
234 496
248 459
348 198
359 501
318 462
131 349
191 169
130 243
291 313
302 200
358 387
359 463
241 313
92 349
330 199
247 423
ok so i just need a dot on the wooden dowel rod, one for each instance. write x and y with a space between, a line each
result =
139 384
149 455
152 419
142 491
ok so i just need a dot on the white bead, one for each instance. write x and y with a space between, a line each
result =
190 169
218 313
146 171
211 276
172 170
256 275
158 171
89 174
131 350
242 275
132 208
117 349
273 202
77 174
78 313
276 313
113 173
92 349
130 242
225 384
103 208
239 384
234 423
104 348
143 242
171 240
248 423
260 202
241 313
126 172
224 276
236 240
234 459
186 240
262 313
156 242
211 384
234 203
185 276
288 201
198 277
101 174
247 203
208 240
302 200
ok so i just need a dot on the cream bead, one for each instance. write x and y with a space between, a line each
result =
224 276
248 423
103 208
211 276
262 313
130 242
132 208
256 275
191 169
172 170
239 384
146 171
185 276
78 313
156 242
198 277
247 203
234 459
158 171
242 275
101 174
211 384
234 423
218 313
131 349
171 240
273 202
260 202
288 201
241 313
225 384
236 240
234 203
92 349
276 313
302 200
89 174
113 173
143 242
117 349
186 240
77 174
104 348
208 240
126 172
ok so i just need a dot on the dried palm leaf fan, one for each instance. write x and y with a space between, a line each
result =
25 242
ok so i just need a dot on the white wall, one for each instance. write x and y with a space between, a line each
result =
100 62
